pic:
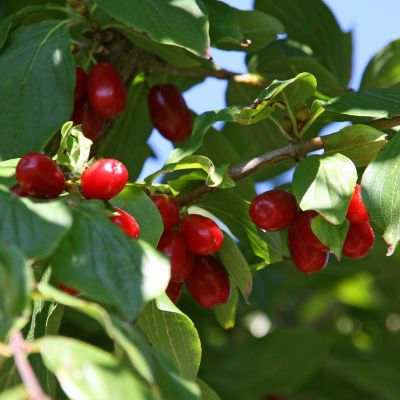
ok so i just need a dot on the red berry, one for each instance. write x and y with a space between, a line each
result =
305 258
169 112
359 240
201 234
126 222
168 208
357 213
104 179
39 176
92 123
18 190
174 291
303 221
273 210
79 108
106 91
208 283
68 290
80 83
173 245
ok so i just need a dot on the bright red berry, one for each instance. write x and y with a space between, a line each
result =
104 179
303 221
80 83
39 176
68 290
357 213
305 258
92 123
18 190
106 90
208 283
273 210
173 245
168 208
169 112
174 291
126 222
359 240
202 235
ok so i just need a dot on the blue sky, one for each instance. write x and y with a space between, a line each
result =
374 24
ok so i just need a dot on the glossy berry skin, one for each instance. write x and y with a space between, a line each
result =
357 213
273 210
208 283
126 222
106 91
18 190
201 234
68 290
173 246
80 83
303 220
169 112
306 259
359 240
168 208
92 123
174 291
104 179
39 176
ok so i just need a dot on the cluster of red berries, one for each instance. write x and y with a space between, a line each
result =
189 244
99 95
275 210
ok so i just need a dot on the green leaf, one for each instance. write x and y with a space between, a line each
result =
206 392
168 329
5 27
153 18
360 143
226 313
16 283
34 227
37 82
7 172
100 260
15 393
380 191
332 236
325 184
86 372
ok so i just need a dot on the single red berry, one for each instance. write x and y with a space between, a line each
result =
357 213
169 112
104 179
359 240
168 208
92 123
68 290
174 291
173 245
18 190
39 176
77 114
106 90
126 222
303 220
201 234
305 258
80 83
208 283
273 210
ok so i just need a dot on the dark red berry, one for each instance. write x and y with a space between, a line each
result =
169 112
68 290
80 83
39 176
79 108
201 234
106 91
208 283
305 258
357 213
173 245
273 210
104 179
92 123
126 222
168 208
303 221
18 190
359 240
174 291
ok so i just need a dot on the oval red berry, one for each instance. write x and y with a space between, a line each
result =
126 222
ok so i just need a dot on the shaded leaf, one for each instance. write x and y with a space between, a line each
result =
226 313
206 392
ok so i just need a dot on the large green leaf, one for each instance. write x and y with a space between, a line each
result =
37 83
34 227
86 372
325 184
100 260
154 19
206 392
